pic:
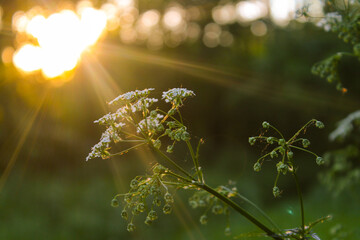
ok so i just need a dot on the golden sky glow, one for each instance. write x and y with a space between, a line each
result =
62 38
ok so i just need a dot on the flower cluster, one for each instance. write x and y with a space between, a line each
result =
177 95
142 125
284 149
330 21
146 194
210 203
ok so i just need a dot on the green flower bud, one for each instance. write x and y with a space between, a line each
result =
273 154
185 136
320 161
134 183
290 155
157 202
276 191
152 215
128 197
319 124
160 128
282 167
178 136
130 227
305 143
167 208
157 143
265 124
114 203
257 167
170 148
227 231
217 209
282 142
141 207
148 221
252 140
168 198
270 140
124 214
203 219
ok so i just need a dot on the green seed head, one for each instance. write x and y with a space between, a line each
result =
114 203
141 207
131 227
203 219
185 136
270 140
148 221
273 154
276 191
217 209
265 124
305 143
168 198
170 148
193 204
157 144
282 167
157 202
319 124
252 140
320 161
282 142
159 169
152 215
290 155
257 167
167 208
134 183
124 214
153 113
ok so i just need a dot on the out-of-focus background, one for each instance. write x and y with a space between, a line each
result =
247 61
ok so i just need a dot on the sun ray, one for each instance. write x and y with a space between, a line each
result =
243 83
21 142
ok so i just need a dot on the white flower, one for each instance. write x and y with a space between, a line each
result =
130 96
110 134
329 20
176 95
151 123
142 104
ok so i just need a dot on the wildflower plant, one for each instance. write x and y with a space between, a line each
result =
137 122
282 154
342 18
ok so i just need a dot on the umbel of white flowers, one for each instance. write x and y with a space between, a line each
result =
134 112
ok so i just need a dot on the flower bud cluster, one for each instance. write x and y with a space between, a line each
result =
144 196
177 95
203 199
284 150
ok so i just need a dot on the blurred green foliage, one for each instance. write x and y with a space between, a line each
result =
52 193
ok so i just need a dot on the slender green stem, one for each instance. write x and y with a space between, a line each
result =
126 150
177 167
257 208
301 203
132 141
169 173
264 156
301 129
178 111
195 161
240 210
131 135
277 131
302 149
